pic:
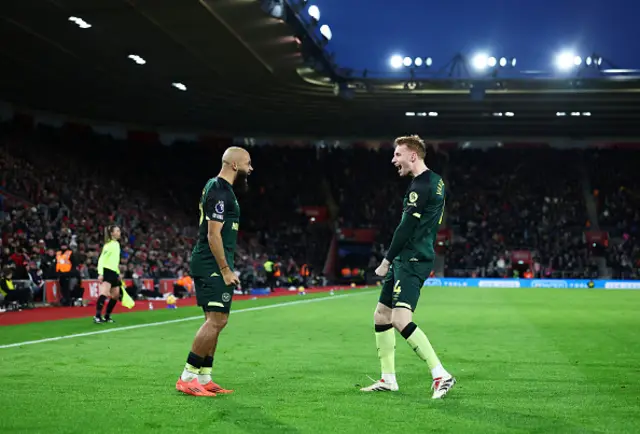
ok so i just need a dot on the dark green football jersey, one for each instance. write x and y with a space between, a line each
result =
217 203
423 200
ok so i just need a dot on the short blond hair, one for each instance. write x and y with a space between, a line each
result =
414 142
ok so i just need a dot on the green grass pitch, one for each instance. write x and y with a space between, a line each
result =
527 360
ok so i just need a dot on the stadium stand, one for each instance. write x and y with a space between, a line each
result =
60 188
500 201
616 191
504 200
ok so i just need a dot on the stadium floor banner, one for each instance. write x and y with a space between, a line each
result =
534 283
91 289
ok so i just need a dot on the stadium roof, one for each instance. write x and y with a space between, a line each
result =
245 75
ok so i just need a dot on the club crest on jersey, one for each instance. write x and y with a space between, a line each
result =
220 207
413 196
226 297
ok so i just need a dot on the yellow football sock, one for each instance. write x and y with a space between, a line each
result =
421 345
192 369
386 343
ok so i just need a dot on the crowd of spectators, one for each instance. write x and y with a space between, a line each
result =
368 189
501 200
61 195
57 188
498 201
616 188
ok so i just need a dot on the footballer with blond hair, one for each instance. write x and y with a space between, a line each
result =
407 265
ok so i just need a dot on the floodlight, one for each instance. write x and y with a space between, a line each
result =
139 60
314 12
565 60
396 61
479 61
80 22
325 31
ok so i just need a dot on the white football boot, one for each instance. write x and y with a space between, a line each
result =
381 386
441 386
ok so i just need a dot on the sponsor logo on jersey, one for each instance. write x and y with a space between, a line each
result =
220 207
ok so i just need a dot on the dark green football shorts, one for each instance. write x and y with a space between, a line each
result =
402 284
213 295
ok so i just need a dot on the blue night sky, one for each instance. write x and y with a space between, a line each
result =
367 32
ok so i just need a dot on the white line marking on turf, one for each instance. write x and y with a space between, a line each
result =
173 321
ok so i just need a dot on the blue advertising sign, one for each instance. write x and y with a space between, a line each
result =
534 283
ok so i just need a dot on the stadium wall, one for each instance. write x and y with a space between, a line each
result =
91 286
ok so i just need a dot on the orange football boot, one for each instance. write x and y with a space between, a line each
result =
192 388
214 388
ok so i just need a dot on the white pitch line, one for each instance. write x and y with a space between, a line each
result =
173 321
